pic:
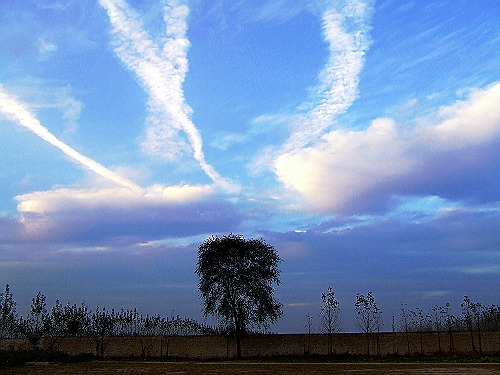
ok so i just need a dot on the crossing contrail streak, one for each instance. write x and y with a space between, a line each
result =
16 111
161 70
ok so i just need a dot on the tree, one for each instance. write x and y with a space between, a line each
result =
419 325
330 316
405 324
472 313
58 320
236 282
490 318
103 323
7 314
368 319
450 321
38 322
437 322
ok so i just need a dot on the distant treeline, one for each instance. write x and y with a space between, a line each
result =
79 320
475 316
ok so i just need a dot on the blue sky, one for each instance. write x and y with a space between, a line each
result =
360 138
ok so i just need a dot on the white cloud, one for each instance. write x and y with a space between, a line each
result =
66 199
346 30
336 170
410 105
161 70
71 108
352 170
470 122
98 215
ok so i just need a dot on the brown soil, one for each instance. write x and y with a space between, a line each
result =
247 367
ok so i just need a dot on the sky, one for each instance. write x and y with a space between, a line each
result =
360 138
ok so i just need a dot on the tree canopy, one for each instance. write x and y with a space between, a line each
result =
236 282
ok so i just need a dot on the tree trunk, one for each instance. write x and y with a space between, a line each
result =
451 340
421 342
407 341
238 345
439 342
479 336
471 331
237 327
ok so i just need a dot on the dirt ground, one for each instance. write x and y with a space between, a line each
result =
275 368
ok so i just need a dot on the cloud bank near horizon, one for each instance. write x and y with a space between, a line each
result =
105 215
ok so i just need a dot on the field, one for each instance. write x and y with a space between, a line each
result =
249 367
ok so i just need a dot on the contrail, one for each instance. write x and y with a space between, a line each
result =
17 112
162 72
346 30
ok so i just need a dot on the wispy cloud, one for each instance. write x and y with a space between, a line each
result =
433 294
224 141
485 270
18 112
41 95
346 30
161 70
281 10
228 13
46 47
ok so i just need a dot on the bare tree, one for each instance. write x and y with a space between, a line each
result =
437 313
419 324
472 313
369 316
406 325
330 316
450 322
